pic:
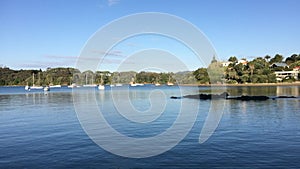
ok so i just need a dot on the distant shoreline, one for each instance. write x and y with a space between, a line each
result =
245 85
216 85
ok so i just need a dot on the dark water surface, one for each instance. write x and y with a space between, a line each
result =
41 130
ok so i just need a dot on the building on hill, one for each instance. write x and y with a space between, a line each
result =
243 62
226 64
278 64
281 75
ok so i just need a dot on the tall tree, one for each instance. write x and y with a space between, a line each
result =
267 57
201 75
233 59
216 72
277 58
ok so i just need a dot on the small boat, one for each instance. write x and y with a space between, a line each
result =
55 86
27 87
33 87
157 84
90 85
136 84
119 85
47 88
170 84
73 85
36 87
101 87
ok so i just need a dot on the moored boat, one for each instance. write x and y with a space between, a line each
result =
47 88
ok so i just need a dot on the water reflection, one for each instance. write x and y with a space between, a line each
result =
288 91
257 90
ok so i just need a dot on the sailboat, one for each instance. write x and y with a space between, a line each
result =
73 85
157 83
47 88
101 86
89 85
169 83
27 87
34 86
133 83
118 84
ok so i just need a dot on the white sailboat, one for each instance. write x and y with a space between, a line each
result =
89 85
118 84
101 86
46 88
169 83
34 87
133 83
27 87
157 82
73 85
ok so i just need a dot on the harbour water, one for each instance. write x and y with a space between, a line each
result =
41 130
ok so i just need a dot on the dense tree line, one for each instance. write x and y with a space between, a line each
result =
259 70
67 76
38 77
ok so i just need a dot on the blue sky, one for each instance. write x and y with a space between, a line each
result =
51 33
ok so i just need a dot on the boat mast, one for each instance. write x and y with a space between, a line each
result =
101 78
39 80
33 79
86 79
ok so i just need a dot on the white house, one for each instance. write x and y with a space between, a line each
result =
280 75
226 64
242 61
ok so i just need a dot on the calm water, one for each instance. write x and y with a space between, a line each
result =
41 130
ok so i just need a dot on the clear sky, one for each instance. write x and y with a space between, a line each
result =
51 33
